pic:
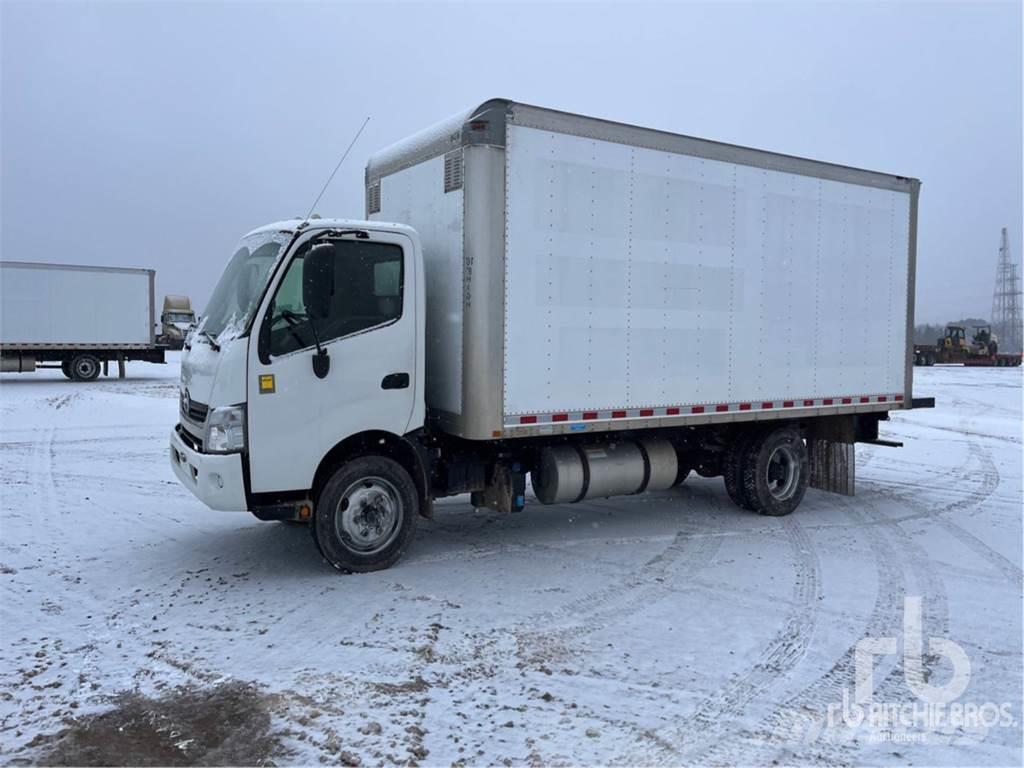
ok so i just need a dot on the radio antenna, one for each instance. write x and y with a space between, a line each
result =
329 178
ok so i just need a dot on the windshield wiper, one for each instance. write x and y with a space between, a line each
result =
210 338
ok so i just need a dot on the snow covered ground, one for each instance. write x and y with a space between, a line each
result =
657 629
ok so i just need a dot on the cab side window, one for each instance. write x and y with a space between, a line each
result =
367 292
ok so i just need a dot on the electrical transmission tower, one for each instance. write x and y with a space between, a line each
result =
1006 300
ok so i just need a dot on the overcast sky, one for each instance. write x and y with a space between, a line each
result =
155 134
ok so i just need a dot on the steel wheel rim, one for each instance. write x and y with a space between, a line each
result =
781 473
85 368
369 515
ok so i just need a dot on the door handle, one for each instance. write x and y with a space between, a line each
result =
395 381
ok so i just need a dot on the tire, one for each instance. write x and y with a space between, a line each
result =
930 360
732 468
84 367
365 515
776 472
65 368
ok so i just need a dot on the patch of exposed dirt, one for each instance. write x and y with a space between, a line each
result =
226 725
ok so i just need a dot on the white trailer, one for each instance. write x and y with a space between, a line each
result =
77 318
600 306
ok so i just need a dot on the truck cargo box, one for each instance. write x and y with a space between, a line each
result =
60 305
584 275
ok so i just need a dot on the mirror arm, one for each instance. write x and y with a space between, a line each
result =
321 360
316 336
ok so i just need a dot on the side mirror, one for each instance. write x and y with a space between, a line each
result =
318 281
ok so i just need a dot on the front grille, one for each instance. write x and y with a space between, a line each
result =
193 410
189 439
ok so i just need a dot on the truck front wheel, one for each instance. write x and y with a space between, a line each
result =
365 515
775 472
84 367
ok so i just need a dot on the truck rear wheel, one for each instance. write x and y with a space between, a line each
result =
65 368
365 515
732 468
84 367
775 472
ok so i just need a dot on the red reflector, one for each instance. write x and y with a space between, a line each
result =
847 400
721 408
787 404
827 401
588 415
618 414
560 417
767 405
808 402
882 398
865 399
744 406
647 412
527 419
674 411
697 409
897 398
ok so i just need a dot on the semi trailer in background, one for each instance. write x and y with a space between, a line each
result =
600 307
76 318
175 321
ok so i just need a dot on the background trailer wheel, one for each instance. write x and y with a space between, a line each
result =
365 515
776 472
84 367
65 368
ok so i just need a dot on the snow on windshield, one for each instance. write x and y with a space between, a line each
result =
237 293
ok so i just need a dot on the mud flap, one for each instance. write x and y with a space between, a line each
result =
833 466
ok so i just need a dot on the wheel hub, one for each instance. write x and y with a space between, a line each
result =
368 515
781 473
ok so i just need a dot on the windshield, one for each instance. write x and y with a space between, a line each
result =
234 299
178 317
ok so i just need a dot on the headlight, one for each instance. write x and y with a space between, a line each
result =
225 429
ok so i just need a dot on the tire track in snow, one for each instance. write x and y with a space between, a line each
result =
680 560
713 718
802 717
987 481
802 712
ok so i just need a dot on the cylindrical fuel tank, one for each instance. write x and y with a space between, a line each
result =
615 469
663 463
15 362
569 473
558 478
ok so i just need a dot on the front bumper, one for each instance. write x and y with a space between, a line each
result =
215 479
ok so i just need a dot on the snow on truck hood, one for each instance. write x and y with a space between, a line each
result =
215 378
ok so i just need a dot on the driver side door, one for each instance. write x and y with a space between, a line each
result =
369 335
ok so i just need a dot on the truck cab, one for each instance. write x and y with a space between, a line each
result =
175 321
309 352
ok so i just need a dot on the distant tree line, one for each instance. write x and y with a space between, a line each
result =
926 333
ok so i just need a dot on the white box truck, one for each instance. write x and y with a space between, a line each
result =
77 318
602 307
